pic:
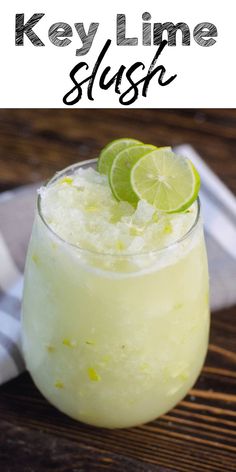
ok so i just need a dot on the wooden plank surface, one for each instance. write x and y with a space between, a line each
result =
200 433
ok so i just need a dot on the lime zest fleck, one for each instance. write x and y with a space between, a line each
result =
168 228
69 342
35 259
50 347
59 384
155 217
93 375
179 370
135 231
120 245
90 342
184 376
66 180
91 208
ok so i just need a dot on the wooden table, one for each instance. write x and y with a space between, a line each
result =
200 433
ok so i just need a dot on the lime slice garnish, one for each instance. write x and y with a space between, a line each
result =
110 151
119 176
168 181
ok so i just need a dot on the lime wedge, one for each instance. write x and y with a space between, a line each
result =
110 151
168 181
119 176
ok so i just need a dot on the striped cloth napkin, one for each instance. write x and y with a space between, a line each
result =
16 217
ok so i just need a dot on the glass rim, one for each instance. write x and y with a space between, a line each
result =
166 248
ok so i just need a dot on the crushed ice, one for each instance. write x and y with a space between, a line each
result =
81 209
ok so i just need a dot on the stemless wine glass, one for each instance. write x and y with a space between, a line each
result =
114 340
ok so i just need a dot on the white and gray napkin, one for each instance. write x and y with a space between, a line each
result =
16 217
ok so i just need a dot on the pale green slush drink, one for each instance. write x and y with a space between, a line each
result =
115 310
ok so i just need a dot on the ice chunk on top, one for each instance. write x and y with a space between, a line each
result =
81 209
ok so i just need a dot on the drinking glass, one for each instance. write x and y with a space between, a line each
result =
114 340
